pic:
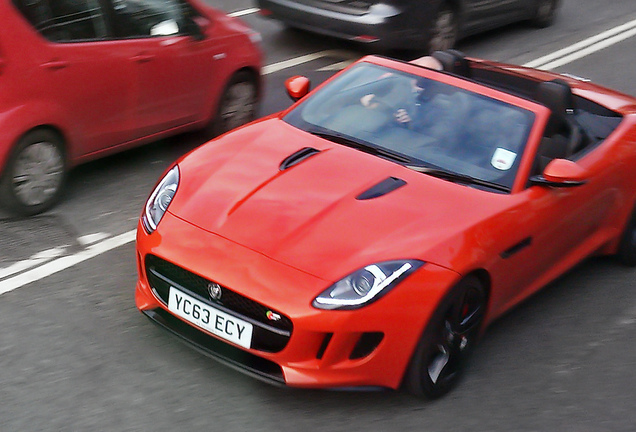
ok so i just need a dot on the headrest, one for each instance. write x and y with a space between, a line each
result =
557 96
453 61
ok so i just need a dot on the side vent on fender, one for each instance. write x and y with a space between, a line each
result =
384 187
297 157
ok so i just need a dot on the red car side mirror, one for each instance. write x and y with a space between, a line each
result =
562 173
297 87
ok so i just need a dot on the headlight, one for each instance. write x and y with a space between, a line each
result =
365 285
160 199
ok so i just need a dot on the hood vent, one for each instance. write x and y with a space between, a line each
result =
384 187
297 157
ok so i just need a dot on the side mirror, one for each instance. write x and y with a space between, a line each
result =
561 173
297 87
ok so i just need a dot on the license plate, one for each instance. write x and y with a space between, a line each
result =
209 318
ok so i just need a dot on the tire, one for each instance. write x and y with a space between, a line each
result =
627 247
35 173
237 105
444 30
439 359
545 14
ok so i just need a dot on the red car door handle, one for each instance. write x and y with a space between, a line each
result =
143 58
55 64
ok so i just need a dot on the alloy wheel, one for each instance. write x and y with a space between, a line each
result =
38 173
238 106
444 31
456 336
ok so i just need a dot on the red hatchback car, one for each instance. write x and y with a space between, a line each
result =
368 234
80 79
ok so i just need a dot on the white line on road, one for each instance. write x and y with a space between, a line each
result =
35 260
44 269
243 12
63 263
286 64
585 47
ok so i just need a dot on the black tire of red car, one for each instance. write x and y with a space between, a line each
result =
34 176
237 105
627 247
444 29
546 11
441 354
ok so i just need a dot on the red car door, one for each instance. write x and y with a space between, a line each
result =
174 68
79 71
555 227
175 73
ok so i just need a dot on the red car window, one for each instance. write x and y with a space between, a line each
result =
65 20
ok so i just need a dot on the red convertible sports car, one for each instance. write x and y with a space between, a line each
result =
366 236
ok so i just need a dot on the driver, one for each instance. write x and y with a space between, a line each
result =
412 95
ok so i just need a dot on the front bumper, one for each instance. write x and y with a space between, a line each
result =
368 347
383 25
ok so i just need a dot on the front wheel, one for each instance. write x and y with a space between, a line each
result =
237 105
444 30
440 356
546 11
34 176
627 248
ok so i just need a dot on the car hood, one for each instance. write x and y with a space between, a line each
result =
309 216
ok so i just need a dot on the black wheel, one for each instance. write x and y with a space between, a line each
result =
546 11
237 105
34 175
627 248
440 357
444 31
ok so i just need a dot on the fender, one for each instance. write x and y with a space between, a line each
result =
18 120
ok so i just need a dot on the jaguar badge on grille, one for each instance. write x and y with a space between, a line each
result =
215 291
272 316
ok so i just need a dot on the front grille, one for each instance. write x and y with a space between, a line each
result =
268 335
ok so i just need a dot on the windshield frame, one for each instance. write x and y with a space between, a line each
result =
538 114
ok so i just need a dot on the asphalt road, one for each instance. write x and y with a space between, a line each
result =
75 355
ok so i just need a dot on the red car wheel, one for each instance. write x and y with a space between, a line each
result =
237 105
35 173
627 248
440 357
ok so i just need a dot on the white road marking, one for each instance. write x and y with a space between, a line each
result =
92 238
65 262
286 64
244 12
336 66
97 245
35 260
585 47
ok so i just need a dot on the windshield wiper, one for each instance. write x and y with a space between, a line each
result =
457 177
376 151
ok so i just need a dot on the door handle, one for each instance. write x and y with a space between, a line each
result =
143 58
55 64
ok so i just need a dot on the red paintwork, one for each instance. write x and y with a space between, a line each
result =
563 170
102 96
236 219
297 87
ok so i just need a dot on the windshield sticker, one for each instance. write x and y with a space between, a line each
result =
503 159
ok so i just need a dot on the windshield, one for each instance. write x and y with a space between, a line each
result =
430 123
